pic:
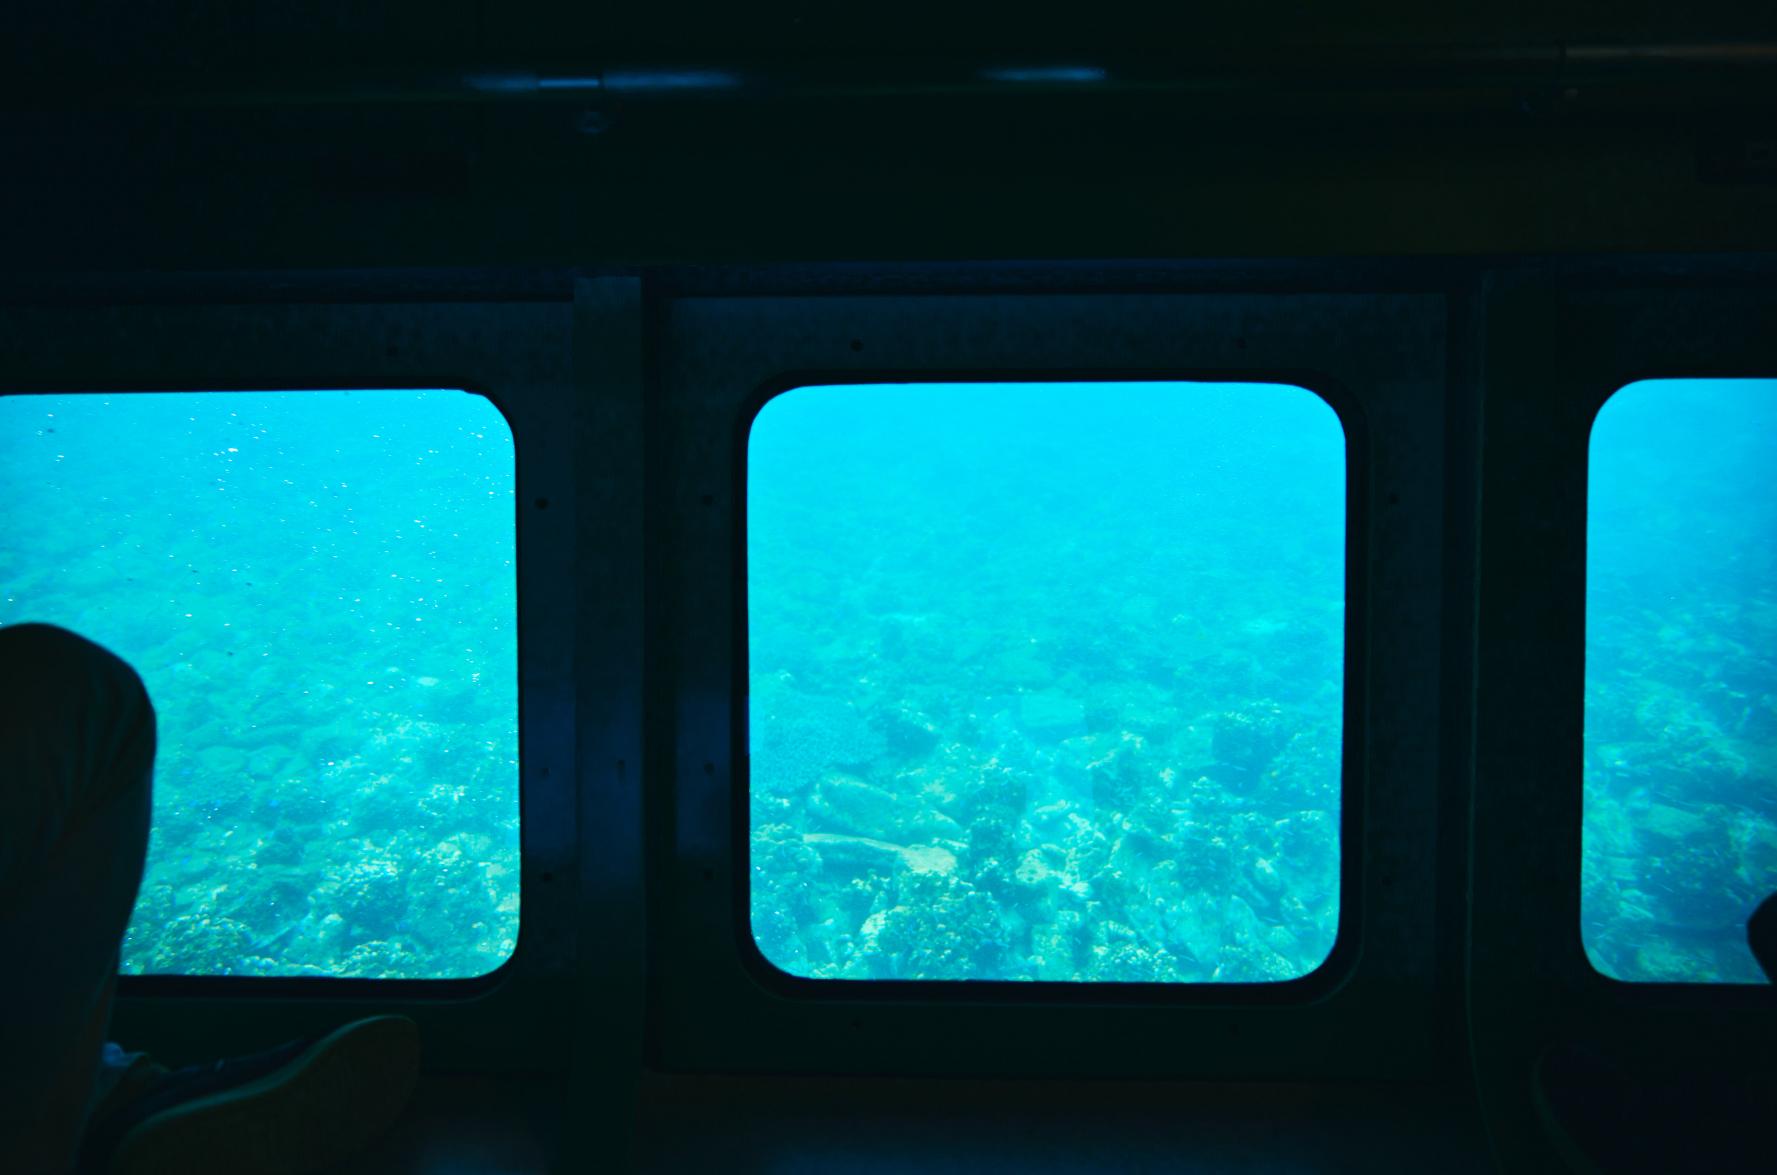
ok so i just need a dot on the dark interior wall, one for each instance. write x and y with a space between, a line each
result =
383 188
168 35
208 136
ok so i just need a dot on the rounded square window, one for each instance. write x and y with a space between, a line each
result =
318 590
1679 840
1046 681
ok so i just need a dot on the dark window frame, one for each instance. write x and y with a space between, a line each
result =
1558 342
722 356
176 346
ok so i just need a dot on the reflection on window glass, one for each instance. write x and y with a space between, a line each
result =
1680 832
318 590
1046 681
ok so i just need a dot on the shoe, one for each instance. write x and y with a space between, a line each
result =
296 1108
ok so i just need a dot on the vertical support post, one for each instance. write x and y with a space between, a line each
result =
608 1039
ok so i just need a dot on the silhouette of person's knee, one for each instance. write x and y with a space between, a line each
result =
1761 935
77 741
56 676
77 737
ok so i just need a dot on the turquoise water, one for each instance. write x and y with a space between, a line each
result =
1046 681
318 590
1680 833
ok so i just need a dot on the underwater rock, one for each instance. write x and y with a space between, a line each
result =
1308 840
478 846
779 857
1121 775
383 803
997 793
1205 858
156 906
1249 739
1050 716
862 854
1755 851
940 927
908 732
1195 930
1283 942
1020 665
1663 822
1307 772
1042 867
223 764
1102 770
282 847
380 958
1663 961
195 944
443 799
1153 713
847 804
1266 882
1252 963
800 737
1758 720
1129 962
301 800
1052 953
775 933
271 763
989 837
860 898
369 893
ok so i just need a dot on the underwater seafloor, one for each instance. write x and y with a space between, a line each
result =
318 591
1680 830
1046 682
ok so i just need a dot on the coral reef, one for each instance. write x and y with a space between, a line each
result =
1007 725
317 589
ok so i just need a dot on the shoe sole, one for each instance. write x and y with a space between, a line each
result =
326 1105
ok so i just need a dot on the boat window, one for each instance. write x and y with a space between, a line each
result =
1045 681
1680 834
318 590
